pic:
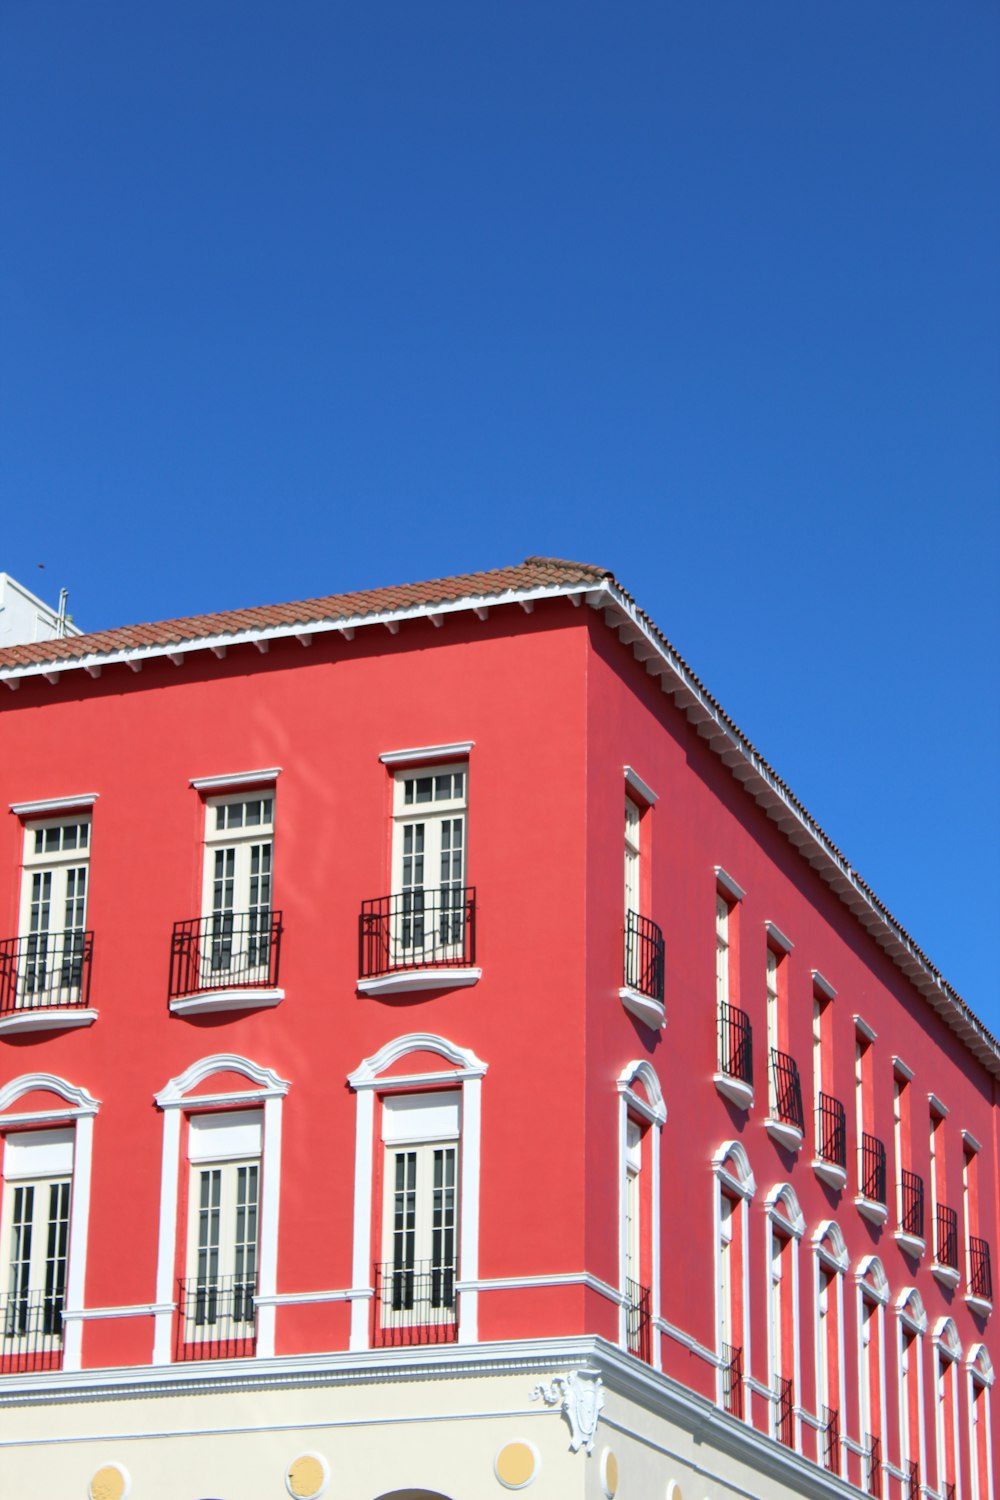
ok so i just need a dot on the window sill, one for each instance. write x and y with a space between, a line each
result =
419 979
981 1306
651 1012
735 1090
948 1276
786 1134
911 1244
830 1173
47 1020
208 1002
872 1210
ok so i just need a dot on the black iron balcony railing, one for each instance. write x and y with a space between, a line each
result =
980 1272
31 1332
831 1439
948 1490
417 929
227 950
787 1087
732 1379
643 956
913 1480
45 970
872 1168
784 1415
638 1320
415 1304
831 1130
946 1237
735 1044
217 1318
873 1444
911 1203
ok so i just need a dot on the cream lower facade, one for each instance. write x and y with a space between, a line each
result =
447 1423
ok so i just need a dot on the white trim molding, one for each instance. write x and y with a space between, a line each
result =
205 1002
777 938
48 805
653 1112
48 1018
868 1032
82 1108
937 1106
650 1012
408 980
732 887
427 754
235 779
902 1069
823 985
641 788
367 1080
173 1099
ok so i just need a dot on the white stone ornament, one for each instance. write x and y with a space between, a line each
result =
582 1398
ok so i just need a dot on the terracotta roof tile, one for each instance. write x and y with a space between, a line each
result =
534 572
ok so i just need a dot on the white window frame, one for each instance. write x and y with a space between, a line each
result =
407 1134
254 942
734 1178
46 1174
947 1354
461 1069
911 1319
265 1089
78 1108
633 856
228 1167
980 1371
830 1256
652 1111
784 1218
409 925
58 865
873 1292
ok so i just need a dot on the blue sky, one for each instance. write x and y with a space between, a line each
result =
308 298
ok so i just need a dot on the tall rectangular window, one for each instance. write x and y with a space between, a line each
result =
429 864
415 1281
237 899
53 911
633 852
34 1247
218 1313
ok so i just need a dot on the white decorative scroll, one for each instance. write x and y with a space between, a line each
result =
582 1398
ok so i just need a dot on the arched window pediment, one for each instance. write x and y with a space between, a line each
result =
830 1245
372 1072
264 1083
980 1364
731 1165
946 1338
910 1307
871 1278
783 1209
72 1099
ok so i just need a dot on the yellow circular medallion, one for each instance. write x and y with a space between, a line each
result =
609 1473
307 1476
109 1483
516 1465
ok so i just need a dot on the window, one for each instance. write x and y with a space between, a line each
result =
871 1200
947 1356
873 1293
239 852
786 1120
54 947
217 1313
415 1282
641 1117
980 1381
831 1262
735 1188
785 1226
912 1327
734 1078
830 1162
642 988
219 1203
436 1212
909 1184
34 1247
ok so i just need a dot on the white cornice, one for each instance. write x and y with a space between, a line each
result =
729 885
234 778
418 754
823 985
53 805
777 938
642 788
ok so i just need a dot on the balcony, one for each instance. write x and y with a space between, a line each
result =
45 981
638 1320
830 1163
418 939
226 961
642 990
871 1200
786 1122
831 1439
732 1380
913 1480
735 1076
31 1332
415 1304
945 1265
217 1318
910 1234
873 1476
980 1293
784 1412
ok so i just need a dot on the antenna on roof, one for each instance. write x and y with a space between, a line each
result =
61 620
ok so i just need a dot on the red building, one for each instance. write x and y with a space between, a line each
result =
362 1068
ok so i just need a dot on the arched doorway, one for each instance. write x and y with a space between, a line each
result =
413 1495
